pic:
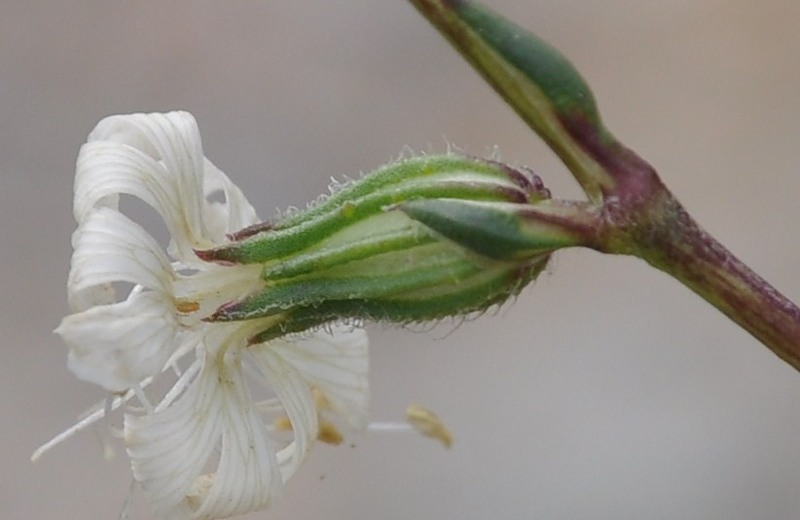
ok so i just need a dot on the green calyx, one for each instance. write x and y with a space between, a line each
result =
497 230
415 241
437 236
482 289
440 176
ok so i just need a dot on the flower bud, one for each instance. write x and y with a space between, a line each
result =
417 240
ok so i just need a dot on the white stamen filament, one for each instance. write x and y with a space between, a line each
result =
103 408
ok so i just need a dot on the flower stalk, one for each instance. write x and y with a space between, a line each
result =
629 210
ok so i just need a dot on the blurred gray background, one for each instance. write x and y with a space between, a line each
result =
606 391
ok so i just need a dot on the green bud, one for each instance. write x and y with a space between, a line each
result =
417 240
536 80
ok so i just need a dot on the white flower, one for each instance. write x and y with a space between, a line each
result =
207 447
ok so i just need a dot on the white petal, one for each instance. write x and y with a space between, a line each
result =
155 157
110 248
107 169
295 397
336 363
172 139
229 216
171 449
118 345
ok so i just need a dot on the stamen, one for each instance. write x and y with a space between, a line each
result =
66 434
125 512
388 427
428 424
101 411
186 306
105 433
420 419
182 382
282 424
140 395
199 490
329 433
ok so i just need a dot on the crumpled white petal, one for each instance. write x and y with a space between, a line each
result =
336 363
232 215
118 345
111 248
295 397
172 450
157 158
205 450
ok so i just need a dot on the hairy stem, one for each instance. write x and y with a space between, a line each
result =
679 247
643 219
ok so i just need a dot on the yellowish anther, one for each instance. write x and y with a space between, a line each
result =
282 424
320 401
329 434
428 424
200 488
186 306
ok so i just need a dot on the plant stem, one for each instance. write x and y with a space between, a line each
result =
669 239
708 268
642 218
